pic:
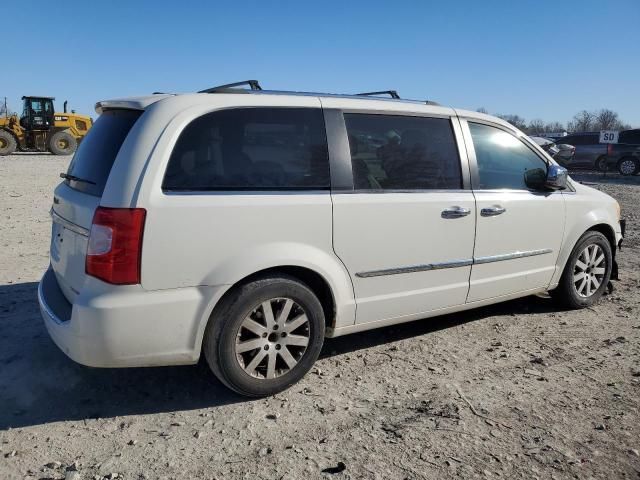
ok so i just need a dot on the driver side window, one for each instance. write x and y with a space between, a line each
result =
502 158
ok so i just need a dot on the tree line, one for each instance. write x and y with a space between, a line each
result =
583 121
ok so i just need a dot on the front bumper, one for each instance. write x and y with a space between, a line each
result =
619 239
126 326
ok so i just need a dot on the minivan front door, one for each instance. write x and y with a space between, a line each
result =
519 231
405 228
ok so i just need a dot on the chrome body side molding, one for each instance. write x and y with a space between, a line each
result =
452 264
511 256
415 268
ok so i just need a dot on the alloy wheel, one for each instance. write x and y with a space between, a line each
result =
589 270
627 167
272 338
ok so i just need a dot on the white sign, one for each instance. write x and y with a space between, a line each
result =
609 136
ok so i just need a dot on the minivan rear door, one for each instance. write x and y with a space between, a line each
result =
77 197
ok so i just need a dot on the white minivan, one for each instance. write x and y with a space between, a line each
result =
248 225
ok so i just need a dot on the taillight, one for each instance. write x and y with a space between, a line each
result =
610 149
115 245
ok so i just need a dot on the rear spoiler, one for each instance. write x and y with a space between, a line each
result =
133 103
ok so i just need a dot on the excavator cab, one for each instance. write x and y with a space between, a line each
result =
37 113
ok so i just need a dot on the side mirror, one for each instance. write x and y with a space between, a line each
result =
535 178
556 177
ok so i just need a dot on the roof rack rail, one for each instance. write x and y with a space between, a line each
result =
253 85
392 93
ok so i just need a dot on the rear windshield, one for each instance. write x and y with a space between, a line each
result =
98 150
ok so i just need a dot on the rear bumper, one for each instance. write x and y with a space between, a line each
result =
127 326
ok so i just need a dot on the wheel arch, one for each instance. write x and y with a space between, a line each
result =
610 234
332 286
607 231
601 226
314 280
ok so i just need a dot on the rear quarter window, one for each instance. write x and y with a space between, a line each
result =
251 149
98 150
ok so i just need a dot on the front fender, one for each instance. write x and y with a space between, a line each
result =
585 209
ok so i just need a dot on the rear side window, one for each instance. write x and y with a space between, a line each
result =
98 150
630 137
402 153
251 149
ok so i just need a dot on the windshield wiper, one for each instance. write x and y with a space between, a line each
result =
68 176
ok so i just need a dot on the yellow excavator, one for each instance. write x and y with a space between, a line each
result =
41 129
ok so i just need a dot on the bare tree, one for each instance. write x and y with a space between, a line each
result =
582 122
515 120
553 127
606 119
4 109
536 127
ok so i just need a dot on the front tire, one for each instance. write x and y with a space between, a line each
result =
265 335
8 143
628 166
587 272
62 143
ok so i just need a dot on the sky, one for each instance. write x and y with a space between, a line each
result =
539 59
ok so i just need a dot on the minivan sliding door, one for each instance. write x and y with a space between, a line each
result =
404 222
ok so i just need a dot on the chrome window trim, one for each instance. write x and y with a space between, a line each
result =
251 192
413 192
397 113
68 225
452 264
514 190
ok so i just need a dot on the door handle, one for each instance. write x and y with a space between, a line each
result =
492 211
455 212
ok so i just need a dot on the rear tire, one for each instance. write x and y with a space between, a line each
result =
602 164
8 143
62 143
628 166
587 272
265 335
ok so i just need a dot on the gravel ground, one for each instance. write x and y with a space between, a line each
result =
517 390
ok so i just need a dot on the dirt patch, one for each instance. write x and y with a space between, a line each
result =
517 390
